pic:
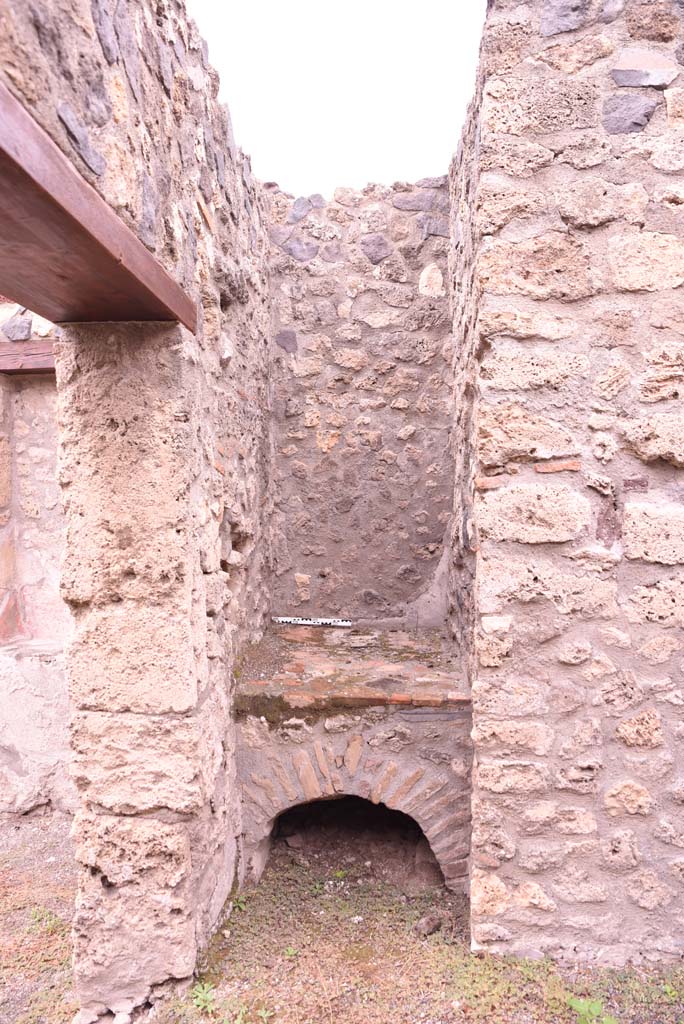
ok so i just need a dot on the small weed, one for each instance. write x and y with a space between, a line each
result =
589 1011
265 1015
44 919
340 874
240 1016
234 1011
670 992
291 953
240 903
203 996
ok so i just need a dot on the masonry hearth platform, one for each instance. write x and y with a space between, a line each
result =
308 667
381 715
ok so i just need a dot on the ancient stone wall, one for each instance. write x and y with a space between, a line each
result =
164 467
577 699
362 402
34 621
465 349
561 392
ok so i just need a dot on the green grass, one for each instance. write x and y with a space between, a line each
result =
44 920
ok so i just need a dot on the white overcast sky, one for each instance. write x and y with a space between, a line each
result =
344 92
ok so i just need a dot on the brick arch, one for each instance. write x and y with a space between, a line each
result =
277 777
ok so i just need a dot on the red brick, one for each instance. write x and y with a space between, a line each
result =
562 466
487 483
10 617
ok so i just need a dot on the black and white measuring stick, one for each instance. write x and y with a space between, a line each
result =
293 620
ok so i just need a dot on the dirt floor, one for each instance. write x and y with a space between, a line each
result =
37 886
349 925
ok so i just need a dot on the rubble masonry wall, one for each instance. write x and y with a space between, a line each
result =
578 808
362 400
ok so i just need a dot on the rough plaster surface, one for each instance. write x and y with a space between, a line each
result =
555 363
34 742
34 622
362 399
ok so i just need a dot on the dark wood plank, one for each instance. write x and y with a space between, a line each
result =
26 357
64 253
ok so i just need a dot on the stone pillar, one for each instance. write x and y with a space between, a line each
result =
577 698
152 834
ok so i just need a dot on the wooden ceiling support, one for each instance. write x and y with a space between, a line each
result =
64 253
26 357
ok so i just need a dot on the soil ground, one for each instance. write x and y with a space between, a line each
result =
37 887
335 933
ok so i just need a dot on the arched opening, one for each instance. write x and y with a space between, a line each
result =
351 920
348 833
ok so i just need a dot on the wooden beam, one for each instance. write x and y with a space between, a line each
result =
26 357
64 253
